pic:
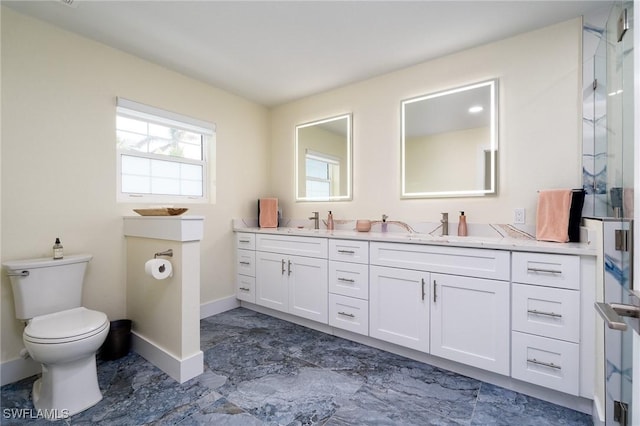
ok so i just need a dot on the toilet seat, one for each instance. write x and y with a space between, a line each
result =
65 326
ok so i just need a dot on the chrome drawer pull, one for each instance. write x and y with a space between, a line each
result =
245 263
547 314
346 314
544 364
346 280
17 273
245 241
544 271
245 289
347 251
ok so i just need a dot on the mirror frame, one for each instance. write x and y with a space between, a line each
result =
492 190
346 197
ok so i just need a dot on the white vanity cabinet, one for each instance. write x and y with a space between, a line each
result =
399 306
470 321
292 283
546 318
349 285
246 267
452 302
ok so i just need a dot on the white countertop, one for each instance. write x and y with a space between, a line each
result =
498 243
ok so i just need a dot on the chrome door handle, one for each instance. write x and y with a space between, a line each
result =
544 364
289 273
547 314
544 271
435 297
423 289
282 272
612 313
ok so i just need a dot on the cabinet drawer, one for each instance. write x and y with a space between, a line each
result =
349 313
545 311
349 279
245 240
553 270
246 288
546 362
293 245
246 262
349 251
479 263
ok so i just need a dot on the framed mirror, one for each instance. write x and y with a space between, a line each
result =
323 160
450 142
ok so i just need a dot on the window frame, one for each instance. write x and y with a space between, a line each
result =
149 114
331 163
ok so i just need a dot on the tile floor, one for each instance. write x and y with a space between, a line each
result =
263 371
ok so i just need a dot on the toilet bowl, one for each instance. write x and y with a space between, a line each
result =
65 343
60 334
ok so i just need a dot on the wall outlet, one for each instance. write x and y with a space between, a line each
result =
518 216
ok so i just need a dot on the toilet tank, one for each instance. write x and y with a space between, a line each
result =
44 286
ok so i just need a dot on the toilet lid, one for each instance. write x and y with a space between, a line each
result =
66 325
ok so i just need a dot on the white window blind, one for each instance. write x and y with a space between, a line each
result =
162 156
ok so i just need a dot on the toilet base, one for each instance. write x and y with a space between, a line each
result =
67 389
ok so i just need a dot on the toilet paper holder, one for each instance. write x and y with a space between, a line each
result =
168 253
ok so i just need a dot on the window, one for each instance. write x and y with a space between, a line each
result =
162 156
322 174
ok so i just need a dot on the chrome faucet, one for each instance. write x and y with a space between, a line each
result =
445 224
316 220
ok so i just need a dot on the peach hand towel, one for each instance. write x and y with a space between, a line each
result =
552 221
268 213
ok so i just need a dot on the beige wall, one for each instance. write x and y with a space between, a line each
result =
59 168
428 161
539 127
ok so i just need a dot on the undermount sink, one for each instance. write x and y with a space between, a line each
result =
299 230
449 238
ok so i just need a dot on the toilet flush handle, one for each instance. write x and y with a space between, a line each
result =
17 273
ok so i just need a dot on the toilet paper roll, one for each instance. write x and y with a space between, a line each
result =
158 268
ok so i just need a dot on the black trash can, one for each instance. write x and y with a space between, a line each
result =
118 342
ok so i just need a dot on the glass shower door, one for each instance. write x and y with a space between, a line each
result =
617 87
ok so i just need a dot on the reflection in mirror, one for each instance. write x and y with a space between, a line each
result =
450 142
323 160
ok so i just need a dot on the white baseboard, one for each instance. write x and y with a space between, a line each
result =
179 369
18 369
218 306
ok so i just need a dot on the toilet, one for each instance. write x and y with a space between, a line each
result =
60 334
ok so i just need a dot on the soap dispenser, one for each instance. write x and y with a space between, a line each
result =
384 223
57 249
330 221
462 225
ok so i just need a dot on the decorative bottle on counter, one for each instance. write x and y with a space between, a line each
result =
462 225
57 249
330 221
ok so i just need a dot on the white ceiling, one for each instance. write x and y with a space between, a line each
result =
273 52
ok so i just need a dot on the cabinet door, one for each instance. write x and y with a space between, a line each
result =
399 306
271 281
470 321
308 287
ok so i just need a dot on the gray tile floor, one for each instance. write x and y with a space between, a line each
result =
263 371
